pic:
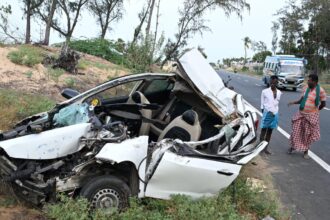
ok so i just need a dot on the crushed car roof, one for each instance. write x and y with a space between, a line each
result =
208 81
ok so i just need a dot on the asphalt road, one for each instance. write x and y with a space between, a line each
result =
304 186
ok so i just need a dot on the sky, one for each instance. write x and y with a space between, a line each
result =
224 41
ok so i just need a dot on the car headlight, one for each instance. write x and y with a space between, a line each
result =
281 80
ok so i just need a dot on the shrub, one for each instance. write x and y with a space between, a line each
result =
100 48
55 74
245 68
70 82
26 55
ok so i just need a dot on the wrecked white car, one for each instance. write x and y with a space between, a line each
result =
144 135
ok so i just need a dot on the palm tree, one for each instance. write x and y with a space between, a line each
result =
247 42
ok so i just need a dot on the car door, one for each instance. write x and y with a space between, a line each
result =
193 176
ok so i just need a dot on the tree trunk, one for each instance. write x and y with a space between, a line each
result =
104 31
49 22
156 30
244 55
150 17
28 23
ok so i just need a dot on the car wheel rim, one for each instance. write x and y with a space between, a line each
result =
107 199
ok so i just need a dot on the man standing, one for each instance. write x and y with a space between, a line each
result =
306 122
270 99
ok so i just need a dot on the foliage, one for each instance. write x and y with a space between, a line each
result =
106 11
70 11
15 106
26 55
259 46
261 56
245 68
137 56
246 203
100 48
247 43
311 41
192 21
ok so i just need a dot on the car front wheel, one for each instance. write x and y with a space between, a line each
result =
108 193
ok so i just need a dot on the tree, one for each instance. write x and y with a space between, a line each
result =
312 43
156 29
71 10
30 7
142 17
274 29
259 46
202 51
292 27
247 43
106 11
46 13
261 56
191 21
152 6
7 33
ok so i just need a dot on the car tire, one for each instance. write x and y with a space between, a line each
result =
106 192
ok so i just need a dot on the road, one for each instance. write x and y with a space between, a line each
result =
304 185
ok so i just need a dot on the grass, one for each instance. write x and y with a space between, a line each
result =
70 82
84 64
55 74
246 204
15 106
26 55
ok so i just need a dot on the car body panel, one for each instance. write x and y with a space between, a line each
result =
190 176
133 150
47 145
207 81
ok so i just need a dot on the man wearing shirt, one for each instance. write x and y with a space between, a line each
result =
306 122
270 99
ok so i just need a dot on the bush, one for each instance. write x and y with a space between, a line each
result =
245 68
100 48
26 55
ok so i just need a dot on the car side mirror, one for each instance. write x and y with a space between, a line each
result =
69 93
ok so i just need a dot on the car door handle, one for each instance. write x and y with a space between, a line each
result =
225 173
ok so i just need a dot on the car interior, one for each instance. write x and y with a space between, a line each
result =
162 108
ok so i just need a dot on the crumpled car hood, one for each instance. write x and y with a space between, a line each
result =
50 144
196 70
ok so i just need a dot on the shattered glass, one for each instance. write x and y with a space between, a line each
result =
72 114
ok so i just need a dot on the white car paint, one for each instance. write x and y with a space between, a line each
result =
47 145
190 176
207 80
133 150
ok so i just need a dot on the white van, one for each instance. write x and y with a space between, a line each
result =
289 69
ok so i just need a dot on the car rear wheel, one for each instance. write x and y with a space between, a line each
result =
108 193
